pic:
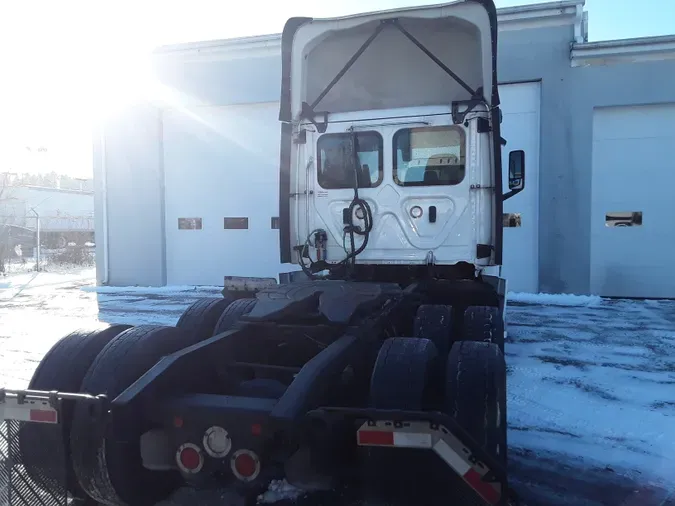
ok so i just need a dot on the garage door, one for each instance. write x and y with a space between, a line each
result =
632 207
520 128
221 193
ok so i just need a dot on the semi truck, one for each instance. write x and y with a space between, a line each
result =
374 372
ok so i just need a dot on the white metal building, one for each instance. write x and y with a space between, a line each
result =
187 186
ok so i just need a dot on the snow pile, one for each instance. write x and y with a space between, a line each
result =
151 289
554 299
280 490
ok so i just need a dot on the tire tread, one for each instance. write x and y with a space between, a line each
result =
230 316
434 322
476 393
62 369
484 324
401 373
109 473
201 317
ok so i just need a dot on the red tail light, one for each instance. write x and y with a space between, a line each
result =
245 465
189 458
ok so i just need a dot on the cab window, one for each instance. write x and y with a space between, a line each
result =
429 156
335 164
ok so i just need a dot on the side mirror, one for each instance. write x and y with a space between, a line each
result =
516 173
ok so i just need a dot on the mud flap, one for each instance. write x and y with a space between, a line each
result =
408 458
447 468
43 484
26 481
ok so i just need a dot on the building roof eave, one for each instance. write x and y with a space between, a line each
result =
623 51
560 13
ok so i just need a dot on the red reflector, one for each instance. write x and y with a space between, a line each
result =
484 488
38 415
245 465
256 429
372 437
190 458
177 422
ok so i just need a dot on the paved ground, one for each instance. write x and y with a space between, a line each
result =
591 383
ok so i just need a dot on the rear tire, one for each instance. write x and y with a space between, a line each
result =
230 316
476 394
44 450
401 374
434 322
202 316
111 471
485 324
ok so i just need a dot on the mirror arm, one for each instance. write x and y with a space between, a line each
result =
510 194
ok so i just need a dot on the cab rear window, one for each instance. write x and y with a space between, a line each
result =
429 156
335 164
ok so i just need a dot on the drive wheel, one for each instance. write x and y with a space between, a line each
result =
111 470
476 394
45 449
484 323
401 374
434 322
229 318
201 317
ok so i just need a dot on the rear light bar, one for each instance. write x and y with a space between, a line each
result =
437 438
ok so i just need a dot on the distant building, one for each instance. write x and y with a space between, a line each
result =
65 215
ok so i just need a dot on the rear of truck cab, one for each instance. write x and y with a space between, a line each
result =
392 73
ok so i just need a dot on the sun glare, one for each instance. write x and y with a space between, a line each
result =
120 84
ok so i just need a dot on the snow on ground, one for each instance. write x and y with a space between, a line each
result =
554 299
279 490
594 383
165 290
29 278
36 309
591 382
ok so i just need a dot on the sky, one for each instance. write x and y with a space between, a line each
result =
67 64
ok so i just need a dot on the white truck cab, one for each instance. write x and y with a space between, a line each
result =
425 180
391 151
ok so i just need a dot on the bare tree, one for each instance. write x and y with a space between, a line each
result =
4 230
6 213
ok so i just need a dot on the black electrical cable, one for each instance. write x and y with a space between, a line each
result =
312 269
310 275
357 203
350 228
